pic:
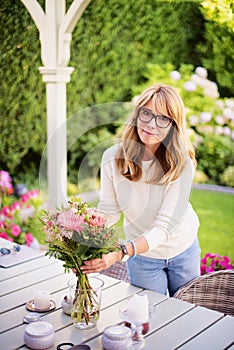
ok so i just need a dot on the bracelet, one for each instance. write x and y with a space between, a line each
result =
134 248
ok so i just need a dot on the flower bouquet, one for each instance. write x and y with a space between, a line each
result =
75 234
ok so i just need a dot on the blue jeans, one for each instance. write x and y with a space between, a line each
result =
168 275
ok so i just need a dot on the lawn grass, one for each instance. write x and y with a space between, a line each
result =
216 212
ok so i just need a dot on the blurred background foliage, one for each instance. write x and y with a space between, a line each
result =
117 48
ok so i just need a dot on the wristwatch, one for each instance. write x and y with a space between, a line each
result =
125 255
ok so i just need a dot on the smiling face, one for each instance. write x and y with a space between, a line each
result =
149 133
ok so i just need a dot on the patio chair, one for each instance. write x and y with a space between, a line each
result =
117 270
214 291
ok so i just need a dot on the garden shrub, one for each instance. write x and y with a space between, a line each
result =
214 154
227 177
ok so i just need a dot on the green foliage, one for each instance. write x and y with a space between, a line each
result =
228 176
22 102
217 53
113 41
214 154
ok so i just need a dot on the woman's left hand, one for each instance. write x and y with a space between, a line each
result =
100 264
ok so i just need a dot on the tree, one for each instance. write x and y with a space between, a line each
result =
218 53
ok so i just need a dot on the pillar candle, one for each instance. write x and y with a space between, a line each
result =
138 309
41 299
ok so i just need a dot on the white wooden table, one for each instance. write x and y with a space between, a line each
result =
176 325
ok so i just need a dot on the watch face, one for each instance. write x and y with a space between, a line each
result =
124 249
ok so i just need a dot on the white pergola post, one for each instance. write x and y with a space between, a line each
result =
55 26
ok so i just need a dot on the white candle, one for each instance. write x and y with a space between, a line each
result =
138 309
41 299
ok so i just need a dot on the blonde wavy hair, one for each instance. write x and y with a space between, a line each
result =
173 152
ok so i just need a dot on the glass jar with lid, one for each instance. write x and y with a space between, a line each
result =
39 335
117 338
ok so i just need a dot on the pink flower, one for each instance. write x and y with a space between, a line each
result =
29 239
2 224
5 211
215 262
5 236
16 206
70 221
5 181
25 197
15 230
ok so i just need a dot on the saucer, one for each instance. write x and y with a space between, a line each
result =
31 306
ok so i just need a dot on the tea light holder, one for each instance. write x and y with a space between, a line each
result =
41 300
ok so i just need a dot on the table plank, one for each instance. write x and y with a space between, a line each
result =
31 265
20 297
30 278
182 328
219 336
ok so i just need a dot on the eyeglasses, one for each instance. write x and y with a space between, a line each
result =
145 115
6 251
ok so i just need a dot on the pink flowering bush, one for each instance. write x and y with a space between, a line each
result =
214 262
6 188
18 216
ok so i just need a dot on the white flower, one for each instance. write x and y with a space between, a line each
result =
232 135
26 213
190 86
211 89
219 130
175 75
220 119
198 80
230 103
205 117
228 113
201 72
219 104
193 120
226 131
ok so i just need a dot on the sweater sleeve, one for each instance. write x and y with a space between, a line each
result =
108 204
173 209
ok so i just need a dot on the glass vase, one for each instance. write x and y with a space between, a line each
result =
85 293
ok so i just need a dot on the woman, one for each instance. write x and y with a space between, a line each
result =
148 176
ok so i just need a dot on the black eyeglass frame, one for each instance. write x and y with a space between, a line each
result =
142 108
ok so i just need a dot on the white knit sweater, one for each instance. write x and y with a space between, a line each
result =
162 213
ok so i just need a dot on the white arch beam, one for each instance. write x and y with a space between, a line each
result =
55 28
